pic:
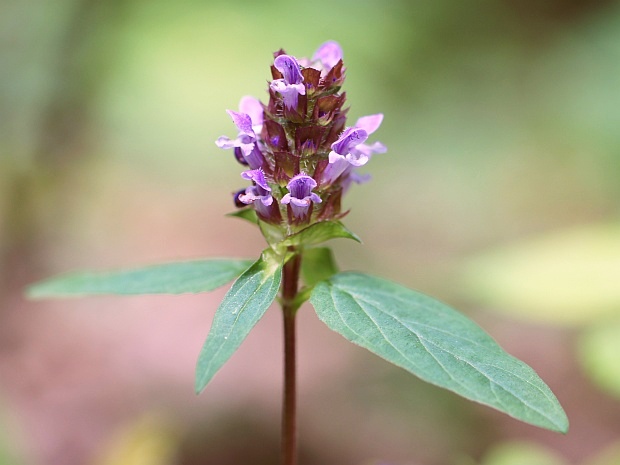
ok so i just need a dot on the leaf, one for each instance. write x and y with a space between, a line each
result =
317 265
320 232
566 277
244 304
436 343
168 278
248 214
273 234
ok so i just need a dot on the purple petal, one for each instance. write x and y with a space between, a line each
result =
301 186
252 107
252 194
337 165
258 177
243 122
224 142
349 139
377 147
328 54
255 158
239 156
357 157
369 123
300 196
289 92
289 68
354 177
359 178
246 149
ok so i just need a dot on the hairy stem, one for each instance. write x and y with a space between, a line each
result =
290 282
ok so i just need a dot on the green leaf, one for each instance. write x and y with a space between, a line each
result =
168 278
248 214
244 304
436 343
320 232
317 265
272 233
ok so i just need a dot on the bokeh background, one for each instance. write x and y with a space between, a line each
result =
499 195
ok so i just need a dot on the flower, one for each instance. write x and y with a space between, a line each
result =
291 85
327 55
253 108
350 150
259 194
245 147
300 196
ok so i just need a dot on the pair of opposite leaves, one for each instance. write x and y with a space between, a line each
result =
406 328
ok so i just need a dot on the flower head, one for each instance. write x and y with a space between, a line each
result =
301 154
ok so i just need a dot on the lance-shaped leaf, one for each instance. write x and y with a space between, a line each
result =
168 278
437 344
244 304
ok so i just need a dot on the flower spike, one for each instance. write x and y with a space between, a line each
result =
301 155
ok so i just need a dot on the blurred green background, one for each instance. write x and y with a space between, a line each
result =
499 195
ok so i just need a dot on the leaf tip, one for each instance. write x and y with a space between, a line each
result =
563 424
200 383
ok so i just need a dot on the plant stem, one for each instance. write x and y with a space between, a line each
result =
290 282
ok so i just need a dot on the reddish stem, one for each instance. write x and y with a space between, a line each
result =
290 282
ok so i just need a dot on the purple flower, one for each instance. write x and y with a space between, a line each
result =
300 195
245 144
291 86
253 108
327 55
350 151
258 194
